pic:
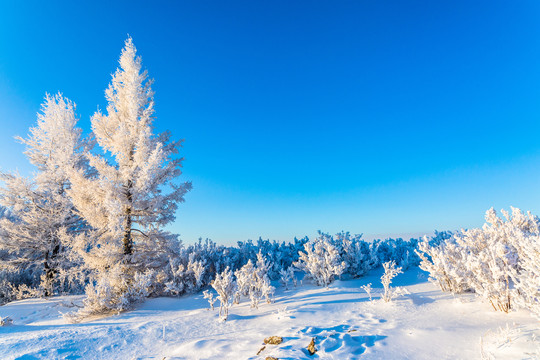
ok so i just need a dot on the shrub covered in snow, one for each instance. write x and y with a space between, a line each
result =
330 256
497 257
354 252
367 288
115 291
398 250
281 255
179 278
287 276
215 258
500 261
445 263
390 272
527 279
225 286
17 284
210 297
360 256
253 282
321 261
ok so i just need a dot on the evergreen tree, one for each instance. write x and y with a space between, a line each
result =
133 194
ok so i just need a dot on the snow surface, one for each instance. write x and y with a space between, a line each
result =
424 324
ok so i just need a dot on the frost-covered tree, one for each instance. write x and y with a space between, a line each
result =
253 282
287 276
261 282
197 268
210 297
321 261
390 272
225 286
133 194
244 280
179 278
40 210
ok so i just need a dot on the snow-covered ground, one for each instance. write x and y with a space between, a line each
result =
425 324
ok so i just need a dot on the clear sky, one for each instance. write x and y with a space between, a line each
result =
378 117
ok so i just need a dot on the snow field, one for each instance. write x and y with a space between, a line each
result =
424 324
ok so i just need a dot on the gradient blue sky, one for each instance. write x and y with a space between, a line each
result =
378 117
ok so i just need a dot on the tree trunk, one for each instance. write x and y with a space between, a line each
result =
50 269
128 239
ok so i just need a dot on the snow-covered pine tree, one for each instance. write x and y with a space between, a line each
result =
133 194
40 210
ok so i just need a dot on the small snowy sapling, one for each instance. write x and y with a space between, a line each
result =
367 288
225 286
390 271
210 297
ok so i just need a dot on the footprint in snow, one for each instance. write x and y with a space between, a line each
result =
341 340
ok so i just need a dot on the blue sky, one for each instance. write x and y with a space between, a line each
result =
378 117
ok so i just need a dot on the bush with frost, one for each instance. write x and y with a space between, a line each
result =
210 297
278 255
499 261
117 291
367 288
445 263
527 279
360 256
353 251
244 277
179 278
262 280
321 261
225 285
253 282
390 272
287 276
